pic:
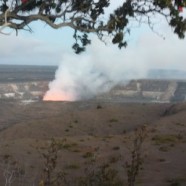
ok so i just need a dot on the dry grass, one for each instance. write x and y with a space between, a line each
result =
89 137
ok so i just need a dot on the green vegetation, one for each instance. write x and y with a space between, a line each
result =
88 155
113 120
166 139
116 148
85 17
69 146
104 176
164 148
177 182
72 166
75 121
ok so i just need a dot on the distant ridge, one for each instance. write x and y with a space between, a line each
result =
166 74
24 73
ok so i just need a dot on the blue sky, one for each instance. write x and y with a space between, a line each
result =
46 46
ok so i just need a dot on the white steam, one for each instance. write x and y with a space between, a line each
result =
101 67
93 72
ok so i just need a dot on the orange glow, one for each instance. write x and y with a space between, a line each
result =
58 96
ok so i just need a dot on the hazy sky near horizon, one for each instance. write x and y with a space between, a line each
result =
46 46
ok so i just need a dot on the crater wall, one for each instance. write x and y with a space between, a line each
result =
31 83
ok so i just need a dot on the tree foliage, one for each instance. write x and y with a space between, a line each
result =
88 16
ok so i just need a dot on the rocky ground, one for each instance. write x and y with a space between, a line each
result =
94 140
91 134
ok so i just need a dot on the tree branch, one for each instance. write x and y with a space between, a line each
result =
6 24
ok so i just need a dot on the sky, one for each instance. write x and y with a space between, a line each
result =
46 46
101 66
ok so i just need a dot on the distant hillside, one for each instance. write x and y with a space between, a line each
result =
24 73
31 83
166 74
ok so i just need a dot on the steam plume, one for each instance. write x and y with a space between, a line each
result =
102 67
94 72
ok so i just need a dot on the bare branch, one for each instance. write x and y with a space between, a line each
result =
6 24
87 17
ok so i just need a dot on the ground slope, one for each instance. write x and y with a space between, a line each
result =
99 130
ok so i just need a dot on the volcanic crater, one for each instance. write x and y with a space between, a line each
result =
93 132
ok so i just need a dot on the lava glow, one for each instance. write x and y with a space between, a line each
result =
58 96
